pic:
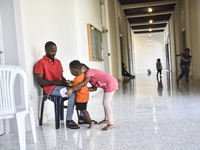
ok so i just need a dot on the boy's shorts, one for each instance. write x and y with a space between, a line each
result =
81 106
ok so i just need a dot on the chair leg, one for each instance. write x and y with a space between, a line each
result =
41 111
57 111
20 117
32 121
78 114
62 110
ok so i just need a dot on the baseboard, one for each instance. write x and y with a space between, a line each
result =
195 77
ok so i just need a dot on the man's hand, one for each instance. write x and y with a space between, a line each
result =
69 83
69 91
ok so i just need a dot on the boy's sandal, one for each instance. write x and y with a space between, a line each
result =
85 122
72 125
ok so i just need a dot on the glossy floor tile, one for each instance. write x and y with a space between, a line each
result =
149 114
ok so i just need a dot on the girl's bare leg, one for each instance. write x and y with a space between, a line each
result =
107 108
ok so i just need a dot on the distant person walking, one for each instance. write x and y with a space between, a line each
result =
159 67
185 64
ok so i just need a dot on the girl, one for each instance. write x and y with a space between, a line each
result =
99 79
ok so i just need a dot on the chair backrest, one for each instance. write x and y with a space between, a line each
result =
8 76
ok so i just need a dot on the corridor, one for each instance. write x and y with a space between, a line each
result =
149 115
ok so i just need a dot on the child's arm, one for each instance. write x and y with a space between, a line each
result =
91 89
179 54
184 59
78 86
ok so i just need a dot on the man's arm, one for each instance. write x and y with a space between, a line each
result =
43 82
63 78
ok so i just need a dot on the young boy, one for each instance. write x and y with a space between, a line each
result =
82 95
185 64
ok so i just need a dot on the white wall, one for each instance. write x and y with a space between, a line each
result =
146 55
9 32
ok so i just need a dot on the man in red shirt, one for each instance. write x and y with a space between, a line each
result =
49 74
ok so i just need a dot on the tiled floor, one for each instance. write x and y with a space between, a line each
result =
149 115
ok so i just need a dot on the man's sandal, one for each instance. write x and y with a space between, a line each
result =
71 124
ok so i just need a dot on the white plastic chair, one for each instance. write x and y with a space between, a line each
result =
8 108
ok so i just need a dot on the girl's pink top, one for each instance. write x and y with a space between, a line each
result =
102 79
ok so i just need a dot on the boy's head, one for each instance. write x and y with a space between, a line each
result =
187 51
158 59
75 67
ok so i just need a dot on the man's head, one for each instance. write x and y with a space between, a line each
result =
75 67
50 49
187 51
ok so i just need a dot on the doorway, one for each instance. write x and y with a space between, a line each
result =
167 57
183 41
121 49
105 50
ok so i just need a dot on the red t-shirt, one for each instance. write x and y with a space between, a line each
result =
82 96
51 71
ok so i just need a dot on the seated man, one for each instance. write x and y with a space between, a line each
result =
125 72
49 74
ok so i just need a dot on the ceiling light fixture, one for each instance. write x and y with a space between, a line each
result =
150 29
150 10
150 21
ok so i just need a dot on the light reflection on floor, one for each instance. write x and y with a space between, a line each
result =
149 114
